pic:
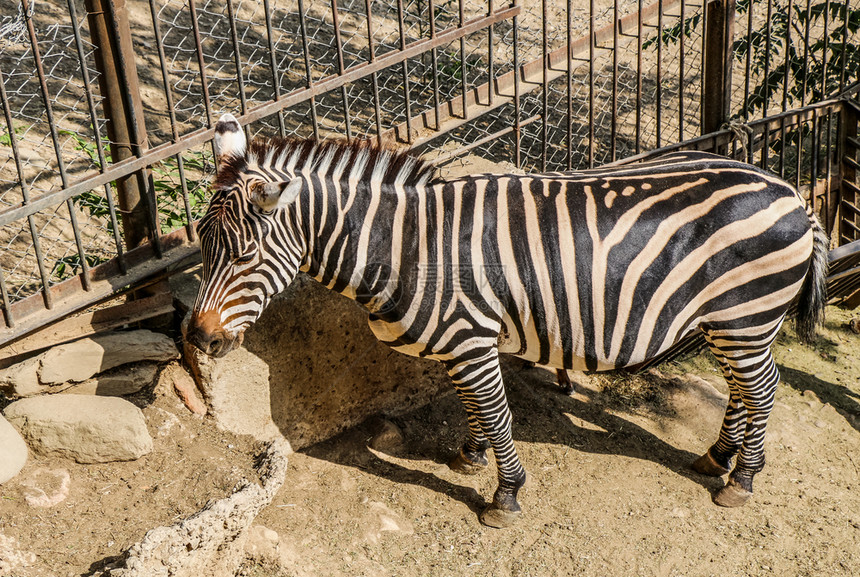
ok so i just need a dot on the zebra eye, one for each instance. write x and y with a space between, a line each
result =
244 259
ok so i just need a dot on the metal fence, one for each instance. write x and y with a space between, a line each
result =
105 148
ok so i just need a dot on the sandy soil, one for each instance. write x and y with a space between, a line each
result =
609 493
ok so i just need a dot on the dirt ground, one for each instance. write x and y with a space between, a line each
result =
609 492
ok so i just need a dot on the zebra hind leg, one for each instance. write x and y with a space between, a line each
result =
478 382
717 461
755 378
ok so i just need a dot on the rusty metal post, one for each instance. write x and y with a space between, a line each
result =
717 65
118 84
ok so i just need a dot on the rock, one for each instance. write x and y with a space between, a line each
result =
85 428
387 437
125 380
211 542
82 359
175 378
45 487
13 451
309 369
854 325
11 557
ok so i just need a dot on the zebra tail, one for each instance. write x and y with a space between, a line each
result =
812 299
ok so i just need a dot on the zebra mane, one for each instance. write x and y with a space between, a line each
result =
356 160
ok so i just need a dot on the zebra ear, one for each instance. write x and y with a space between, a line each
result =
272 195
229 137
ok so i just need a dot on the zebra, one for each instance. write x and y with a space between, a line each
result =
592 270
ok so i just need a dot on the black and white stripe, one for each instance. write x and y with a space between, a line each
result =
591 270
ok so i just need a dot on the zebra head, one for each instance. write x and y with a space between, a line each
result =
250 251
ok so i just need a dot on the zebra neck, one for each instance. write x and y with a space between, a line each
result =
355 231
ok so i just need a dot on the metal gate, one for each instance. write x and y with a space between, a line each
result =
106 154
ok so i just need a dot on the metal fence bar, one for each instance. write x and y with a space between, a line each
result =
273 65
405 70
374 78
341 69
168 95
25 194
308 71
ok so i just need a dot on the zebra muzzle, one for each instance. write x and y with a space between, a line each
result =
207 334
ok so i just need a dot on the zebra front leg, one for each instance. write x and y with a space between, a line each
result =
478 382
756 377
472 458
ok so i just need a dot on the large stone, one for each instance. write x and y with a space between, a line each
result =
85 428
80 360
13 451
311 367
124 380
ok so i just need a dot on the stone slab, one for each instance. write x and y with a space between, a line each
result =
85 428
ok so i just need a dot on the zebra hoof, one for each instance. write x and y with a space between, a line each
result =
466 466
732 495
707 465
498 518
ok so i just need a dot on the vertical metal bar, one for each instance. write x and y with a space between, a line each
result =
748 67
844 47
787 65
341 68
544 88
591 47
276 78
405 66
806 53
569 38
799 156
828 178
639 78
374 78
767 61
659 74
681 73
91 105
55 139
826 49
201 65
785 79
308 73
517 153
434 63
463 79
25 195
491 84
814 157
237 59
7 304
168 96
614 103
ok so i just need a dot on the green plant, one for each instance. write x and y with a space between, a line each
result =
69 265
811 69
